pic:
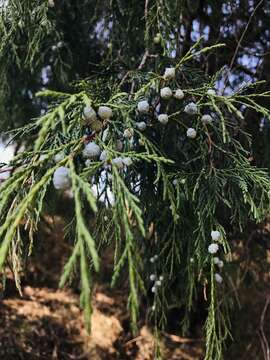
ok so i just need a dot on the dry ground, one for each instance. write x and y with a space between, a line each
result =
46 323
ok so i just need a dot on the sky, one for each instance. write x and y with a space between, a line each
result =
6 153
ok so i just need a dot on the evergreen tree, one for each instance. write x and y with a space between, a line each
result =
118 97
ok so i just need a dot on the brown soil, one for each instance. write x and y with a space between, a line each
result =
46 323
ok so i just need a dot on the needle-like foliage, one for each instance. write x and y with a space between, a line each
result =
157 190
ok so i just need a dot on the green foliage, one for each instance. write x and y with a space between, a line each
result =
158 210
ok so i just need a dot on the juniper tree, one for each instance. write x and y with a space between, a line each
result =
151 132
